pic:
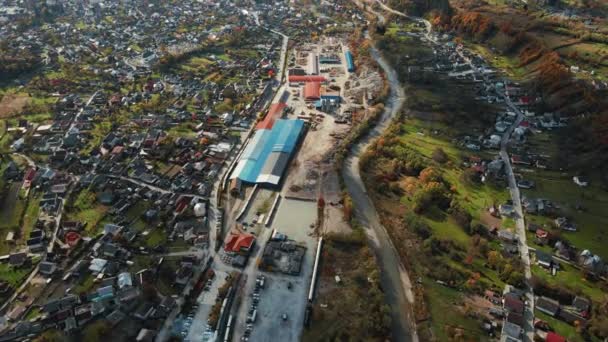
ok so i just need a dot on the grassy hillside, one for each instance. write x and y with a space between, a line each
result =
432 206
564 62
421 7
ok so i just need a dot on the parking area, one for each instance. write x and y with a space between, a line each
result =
195 327
281 303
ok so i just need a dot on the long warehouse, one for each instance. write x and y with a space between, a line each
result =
267 155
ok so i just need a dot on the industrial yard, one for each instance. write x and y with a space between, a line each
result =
281 171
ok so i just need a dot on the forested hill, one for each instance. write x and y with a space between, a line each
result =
421 7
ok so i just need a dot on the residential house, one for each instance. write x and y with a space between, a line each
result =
11 172
547 305
520 160
83 314
512 332
145 335
17 259
541 236
10 237
571 317
563 250
554 337
506 210
112 229
183 274
239 243
167 304
124 280
564 224
47 268
115 317
507 236
580 181
591 262
144 311
104 293
582 305
513 303
97 265
544 259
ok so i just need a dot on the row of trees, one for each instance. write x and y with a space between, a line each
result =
12 66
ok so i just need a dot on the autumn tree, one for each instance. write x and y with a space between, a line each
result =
439 155
347 207
494 259
430 174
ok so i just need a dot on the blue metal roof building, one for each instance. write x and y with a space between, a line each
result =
265 158
350 64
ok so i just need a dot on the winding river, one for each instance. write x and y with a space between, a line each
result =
394 277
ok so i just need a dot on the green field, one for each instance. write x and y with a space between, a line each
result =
592 223
85 284
475 198
85 209
184 130
156 237
13 276
444 303
30 216
11 212
572 279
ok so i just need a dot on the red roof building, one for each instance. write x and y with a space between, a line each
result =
29 175
240 243
525 100
513 304
306 78
118 149
553 337
274 112
72 238
542 234
312 91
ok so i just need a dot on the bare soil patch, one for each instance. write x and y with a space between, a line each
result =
12 104
490 221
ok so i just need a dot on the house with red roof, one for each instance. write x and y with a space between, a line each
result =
29 177
239 243
553 337
525 100
512 303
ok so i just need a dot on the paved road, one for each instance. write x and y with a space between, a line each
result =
394 276
516 198
155 188
519 222
213 208
75 119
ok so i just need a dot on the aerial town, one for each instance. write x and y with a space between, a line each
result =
339 170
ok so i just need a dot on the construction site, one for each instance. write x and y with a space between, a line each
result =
282 255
